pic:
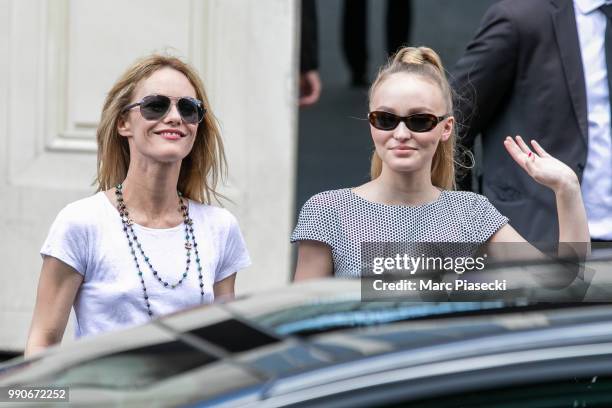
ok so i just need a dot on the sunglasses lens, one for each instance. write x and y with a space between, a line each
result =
383 120
190 110
422 122
154 107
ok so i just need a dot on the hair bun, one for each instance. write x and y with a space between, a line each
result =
419 56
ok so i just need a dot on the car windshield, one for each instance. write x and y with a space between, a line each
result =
321 317
338 304
133 368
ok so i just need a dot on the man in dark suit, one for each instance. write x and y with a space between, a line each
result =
310 82
355 34
524 73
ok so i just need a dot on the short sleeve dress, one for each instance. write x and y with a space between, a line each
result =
343 220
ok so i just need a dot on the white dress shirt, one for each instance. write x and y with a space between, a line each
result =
597 176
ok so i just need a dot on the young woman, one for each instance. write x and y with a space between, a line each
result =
409 198
149 242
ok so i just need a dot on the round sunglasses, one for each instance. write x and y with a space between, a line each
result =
417 122
155 107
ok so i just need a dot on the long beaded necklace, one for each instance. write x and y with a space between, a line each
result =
135 245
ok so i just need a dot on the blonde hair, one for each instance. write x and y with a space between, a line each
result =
425 62
203 167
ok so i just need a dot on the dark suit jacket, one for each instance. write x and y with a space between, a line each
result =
309 44
522 74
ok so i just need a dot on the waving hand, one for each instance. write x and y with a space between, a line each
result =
540 165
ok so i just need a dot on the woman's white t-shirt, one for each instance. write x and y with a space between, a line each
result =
88 235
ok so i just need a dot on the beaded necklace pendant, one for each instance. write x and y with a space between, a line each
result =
137 251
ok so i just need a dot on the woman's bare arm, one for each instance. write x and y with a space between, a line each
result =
57 289
561 179
224 289
314 261
501 253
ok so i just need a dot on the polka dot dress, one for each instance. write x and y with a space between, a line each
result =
343 220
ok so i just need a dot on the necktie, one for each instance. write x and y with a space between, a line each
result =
607 10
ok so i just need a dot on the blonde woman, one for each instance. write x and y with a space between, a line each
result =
410 197
149 242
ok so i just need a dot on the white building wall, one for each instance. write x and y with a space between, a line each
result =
60 57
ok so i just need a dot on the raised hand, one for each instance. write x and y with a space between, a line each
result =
540 165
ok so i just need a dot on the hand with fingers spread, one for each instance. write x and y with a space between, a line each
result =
554 174
540 165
